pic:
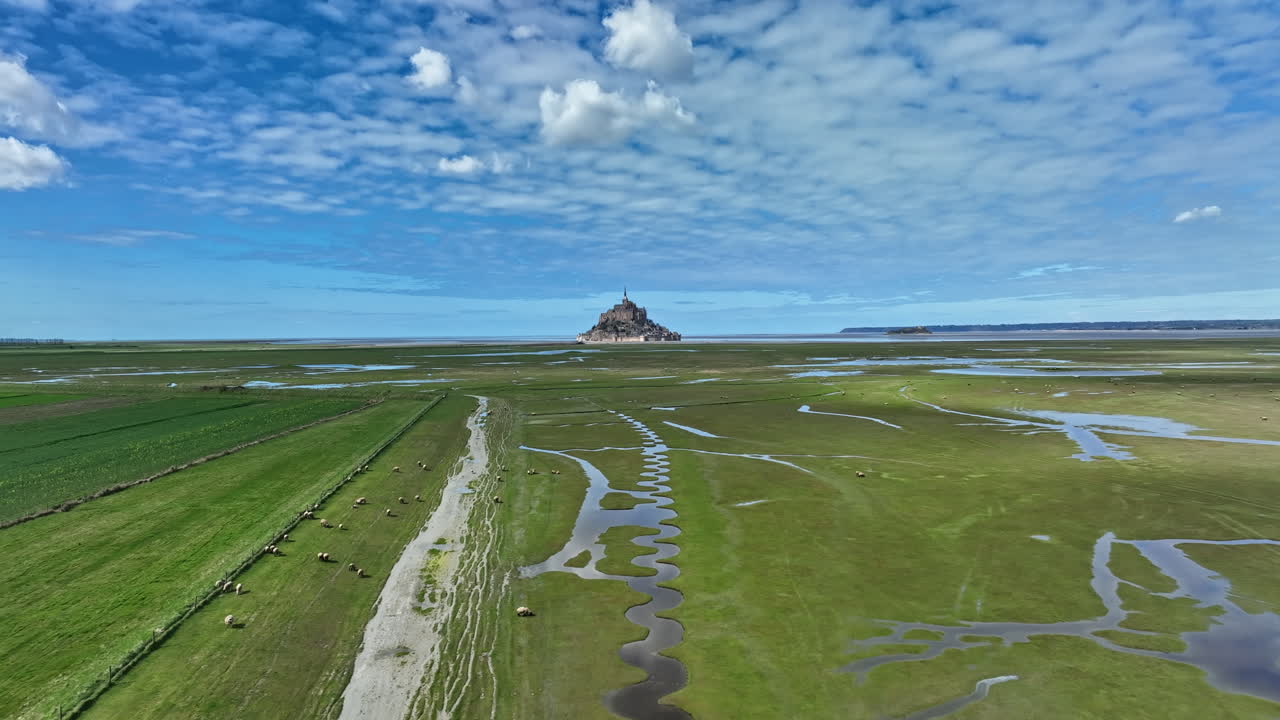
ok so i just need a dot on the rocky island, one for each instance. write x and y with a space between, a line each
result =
627 322
917 330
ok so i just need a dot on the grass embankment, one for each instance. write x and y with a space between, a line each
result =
16 400
86 586
303 620
44 463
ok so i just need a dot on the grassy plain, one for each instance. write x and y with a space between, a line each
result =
303 620
82 588
788 557
47 462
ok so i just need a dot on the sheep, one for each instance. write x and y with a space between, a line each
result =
307 514
361 500
229 621
226 586
360 572
322 557
1264 417
395 469
325 523
555 472
267 550
388 512
341 526
497 499
499 478
351 567
859 473
239 588
284 537
523 611
504 468
417 498
402 501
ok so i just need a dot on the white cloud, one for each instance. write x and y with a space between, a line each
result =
430 69
29 107
468 165
464 165
585 114
525 32
1197 213
467 93
25 166
645 37
1054 269
129 238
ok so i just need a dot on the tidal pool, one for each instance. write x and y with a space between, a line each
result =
334 386
805 409
824 373
640 701
1237 651
688 429
1000 371
325 368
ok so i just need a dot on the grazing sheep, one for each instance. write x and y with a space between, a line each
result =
353 507
388 512
322 556
360 572
361 500
351 567
239 587
499 478
341 526
555 472
523 611
497 499
307 514
284 537
395 469
324 523
267 550
226 586
417 498
402 500
504 468
859 473
229 620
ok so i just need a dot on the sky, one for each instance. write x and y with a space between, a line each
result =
362 168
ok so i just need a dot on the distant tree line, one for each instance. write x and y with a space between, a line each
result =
32 341
1123 325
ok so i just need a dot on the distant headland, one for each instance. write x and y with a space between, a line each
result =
1123 325
627 322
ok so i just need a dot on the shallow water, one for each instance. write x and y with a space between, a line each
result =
695 431
749 503
653 377
1031 372
325 368
805 409
980 690
824 373
334 386
1083 429
640 701
922 360
1237 651
663 408
701 380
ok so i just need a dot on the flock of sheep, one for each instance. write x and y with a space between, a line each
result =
310 514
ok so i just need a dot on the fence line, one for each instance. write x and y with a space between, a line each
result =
102 683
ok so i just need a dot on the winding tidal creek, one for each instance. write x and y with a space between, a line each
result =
640 701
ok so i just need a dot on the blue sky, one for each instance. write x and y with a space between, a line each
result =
282 168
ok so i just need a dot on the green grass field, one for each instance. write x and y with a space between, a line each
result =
804 535
47 462
303 620
95 581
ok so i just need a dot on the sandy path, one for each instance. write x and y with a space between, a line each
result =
401 639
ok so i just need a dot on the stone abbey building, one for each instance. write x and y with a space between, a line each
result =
627 322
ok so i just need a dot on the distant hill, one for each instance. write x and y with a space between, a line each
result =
1129 325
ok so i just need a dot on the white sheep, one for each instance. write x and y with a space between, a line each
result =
229 620
239 588
523 611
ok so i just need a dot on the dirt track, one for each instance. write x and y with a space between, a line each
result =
402 639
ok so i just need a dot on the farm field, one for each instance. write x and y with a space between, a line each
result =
97 579
915 529
302 619
50 461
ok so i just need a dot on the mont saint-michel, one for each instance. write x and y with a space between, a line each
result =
627 322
